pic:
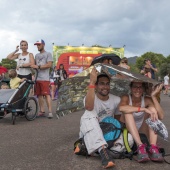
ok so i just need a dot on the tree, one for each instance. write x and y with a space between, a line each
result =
157 59
9 64
164 69
168 59
133 68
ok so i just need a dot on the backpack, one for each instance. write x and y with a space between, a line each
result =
112 130
122 146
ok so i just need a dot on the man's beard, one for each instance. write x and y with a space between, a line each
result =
103 94
41 49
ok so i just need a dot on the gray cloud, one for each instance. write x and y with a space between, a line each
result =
140 25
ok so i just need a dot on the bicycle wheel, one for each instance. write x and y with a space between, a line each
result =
30 108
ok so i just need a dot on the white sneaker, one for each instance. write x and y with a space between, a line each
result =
50 115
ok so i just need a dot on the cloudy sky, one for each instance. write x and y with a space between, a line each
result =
141 25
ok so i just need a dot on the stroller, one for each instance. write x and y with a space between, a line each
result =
18 102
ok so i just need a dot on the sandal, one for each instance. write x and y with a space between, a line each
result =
41 114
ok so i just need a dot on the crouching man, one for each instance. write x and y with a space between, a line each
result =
99 103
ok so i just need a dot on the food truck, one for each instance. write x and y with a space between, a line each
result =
77 58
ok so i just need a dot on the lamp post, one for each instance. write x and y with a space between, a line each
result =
54 60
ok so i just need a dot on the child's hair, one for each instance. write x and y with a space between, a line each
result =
4 86
12 73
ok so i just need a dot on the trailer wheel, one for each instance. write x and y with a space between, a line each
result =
30 108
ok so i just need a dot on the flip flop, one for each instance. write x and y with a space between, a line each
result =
41 114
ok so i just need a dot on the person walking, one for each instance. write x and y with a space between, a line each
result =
43 62
166 84
25 60
99 103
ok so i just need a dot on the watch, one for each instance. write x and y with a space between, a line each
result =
39 66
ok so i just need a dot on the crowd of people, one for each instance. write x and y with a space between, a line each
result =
46 85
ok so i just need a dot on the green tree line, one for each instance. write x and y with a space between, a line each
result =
161 62
9 64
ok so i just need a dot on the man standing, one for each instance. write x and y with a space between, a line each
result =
153 69
43 62
98 105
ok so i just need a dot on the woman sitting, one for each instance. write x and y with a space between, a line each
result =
136 108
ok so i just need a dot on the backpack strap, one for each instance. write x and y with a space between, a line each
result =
129 153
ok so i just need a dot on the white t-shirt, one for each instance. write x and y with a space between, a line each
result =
106 108
166 80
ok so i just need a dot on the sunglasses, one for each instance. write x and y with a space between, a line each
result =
137 87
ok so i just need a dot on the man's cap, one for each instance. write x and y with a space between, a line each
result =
40 42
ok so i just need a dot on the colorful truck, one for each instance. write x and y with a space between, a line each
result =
78 58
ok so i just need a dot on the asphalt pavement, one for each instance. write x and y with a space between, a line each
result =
47 144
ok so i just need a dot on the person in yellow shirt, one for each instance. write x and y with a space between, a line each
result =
15 81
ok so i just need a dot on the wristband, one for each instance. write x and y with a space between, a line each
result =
138 109
92 86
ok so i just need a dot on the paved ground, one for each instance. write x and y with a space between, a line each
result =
45 144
